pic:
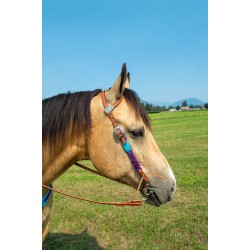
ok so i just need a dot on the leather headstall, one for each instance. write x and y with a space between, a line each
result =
119 132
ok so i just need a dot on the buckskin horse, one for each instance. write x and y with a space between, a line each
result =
110 128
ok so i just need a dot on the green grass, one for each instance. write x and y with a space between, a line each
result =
182 224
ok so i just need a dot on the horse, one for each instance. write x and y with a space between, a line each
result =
76 126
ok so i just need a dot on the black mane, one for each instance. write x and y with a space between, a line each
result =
63 110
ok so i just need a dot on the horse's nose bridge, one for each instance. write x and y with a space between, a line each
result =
171 174
156 163
165 166
162 171
170 177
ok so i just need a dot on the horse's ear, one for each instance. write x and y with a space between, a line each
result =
127 82
119 85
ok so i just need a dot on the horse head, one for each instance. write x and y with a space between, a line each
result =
110 158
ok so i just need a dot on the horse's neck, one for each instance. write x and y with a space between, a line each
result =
56 162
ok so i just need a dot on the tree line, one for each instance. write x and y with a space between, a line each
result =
150 108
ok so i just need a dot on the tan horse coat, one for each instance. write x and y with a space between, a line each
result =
111 160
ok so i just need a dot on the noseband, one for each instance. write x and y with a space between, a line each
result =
120 134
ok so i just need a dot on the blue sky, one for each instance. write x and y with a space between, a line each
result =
163 42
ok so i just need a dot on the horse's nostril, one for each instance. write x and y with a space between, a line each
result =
173 188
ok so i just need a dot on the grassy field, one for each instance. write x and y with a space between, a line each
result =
182 224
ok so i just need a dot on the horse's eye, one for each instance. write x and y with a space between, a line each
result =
136 133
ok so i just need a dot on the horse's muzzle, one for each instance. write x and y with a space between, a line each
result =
155 196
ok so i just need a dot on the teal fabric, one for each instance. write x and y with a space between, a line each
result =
126 146
46 197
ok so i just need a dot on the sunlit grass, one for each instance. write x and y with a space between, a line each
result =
182 224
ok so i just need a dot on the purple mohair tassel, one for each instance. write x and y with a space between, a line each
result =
134 161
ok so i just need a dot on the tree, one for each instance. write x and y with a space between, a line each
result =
148 107
178 107
151 108
184 103
206 105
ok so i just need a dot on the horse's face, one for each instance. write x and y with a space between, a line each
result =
110 159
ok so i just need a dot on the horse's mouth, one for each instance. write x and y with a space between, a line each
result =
154 199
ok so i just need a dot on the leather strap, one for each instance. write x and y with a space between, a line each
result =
136 203
121 135
104 101
94 171
111 116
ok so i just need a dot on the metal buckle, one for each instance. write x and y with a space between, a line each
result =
122 131
146 192
109 109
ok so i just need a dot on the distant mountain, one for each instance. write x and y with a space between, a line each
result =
190 101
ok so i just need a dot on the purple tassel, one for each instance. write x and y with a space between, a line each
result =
134 161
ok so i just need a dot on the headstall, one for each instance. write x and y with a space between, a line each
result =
119 132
